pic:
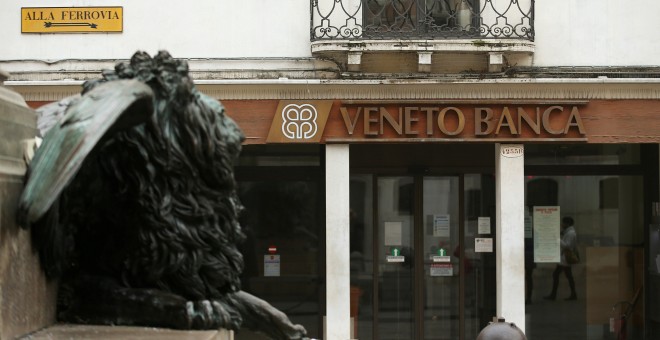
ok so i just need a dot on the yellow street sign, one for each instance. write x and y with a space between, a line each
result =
71 19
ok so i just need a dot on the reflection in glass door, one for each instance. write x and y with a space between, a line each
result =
396 223
283 215
441 249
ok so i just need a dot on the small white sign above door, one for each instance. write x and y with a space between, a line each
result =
395 259
441 258
512 151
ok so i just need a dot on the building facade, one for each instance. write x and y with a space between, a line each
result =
407 164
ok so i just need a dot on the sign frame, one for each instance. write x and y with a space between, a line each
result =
85 19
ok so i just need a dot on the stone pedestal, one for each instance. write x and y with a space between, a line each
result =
68 332
27 301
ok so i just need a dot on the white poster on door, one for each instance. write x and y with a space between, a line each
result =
483 245
441 225
483 225
271 265
393 233
441 269
546 234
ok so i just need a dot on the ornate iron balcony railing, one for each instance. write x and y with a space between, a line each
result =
422 19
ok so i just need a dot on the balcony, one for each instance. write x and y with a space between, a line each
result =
437 36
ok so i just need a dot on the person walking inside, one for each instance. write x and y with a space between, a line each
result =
568 244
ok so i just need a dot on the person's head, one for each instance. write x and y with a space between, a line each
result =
566 222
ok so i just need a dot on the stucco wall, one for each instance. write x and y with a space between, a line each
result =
597 32
568 32
193 29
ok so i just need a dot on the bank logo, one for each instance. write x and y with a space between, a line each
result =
299 121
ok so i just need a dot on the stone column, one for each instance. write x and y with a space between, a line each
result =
337 259
510 248
27 301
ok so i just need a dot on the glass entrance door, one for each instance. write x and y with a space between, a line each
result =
414 270
407 268
441 242
419 245
396 257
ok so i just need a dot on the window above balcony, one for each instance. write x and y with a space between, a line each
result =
497 31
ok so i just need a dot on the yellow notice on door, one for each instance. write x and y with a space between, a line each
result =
72 19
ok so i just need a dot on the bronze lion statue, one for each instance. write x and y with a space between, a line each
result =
132 204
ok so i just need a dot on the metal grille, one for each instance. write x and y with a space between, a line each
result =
422 19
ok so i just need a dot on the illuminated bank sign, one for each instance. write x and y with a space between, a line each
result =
328 121
71 19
